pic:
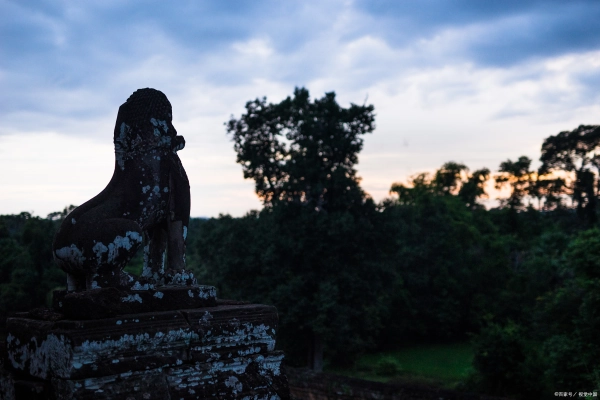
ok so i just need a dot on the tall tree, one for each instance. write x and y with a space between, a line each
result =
449 178
302 151
474 188
576 151
553 191
319 222
519 177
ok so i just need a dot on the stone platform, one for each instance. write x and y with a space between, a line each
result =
221 349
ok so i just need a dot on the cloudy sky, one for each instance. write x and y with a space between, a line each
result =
475 81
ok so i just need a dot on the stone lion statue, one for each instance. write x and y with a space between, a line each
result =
147 202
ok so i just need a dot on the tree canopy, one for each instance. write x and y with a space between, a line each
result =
318 221
519 177
302 151
576 151
452 179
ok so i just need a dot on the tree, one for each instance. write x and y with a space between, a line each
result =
506 363
576 151
27 270
517 175
473 188
552 191
60 215
445 255
567 318
323 272
451 179
571 150
301 151
316 255
420 186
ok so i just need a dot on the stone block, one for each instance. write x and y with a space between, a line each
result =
252 377
225 351
109 302
71 349
7 385
136 385
231 331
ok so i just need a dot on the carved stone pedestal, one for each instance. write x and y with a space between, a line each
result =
220 349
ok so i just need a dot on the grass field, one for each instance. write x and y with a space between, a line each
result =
443 365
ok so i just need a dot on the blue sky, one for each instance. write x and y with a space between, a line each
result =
471 81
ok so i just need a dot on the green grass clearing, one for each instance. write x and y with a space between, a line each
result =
445 365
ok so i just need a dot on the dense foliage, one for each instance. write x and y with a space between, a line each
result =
302 152
27 271
429 264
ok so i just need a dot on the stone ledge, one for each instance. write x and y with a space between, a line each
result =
72 349
256 377
109 302
225 351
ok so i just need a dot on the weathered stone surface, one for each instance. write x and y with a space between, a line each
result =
225 351
253 377
109 302
45 314
227 332
7 385
29 347
90 304
138 385
71 349
214 352
256 376
147 200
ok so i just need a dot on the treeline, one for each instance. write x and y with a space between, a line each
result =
520 284
429 264
27 271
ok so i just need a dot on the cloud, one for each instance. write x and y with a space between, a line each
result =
78 61
490 34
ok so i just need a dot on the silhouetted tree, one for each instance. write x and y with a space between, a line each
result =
474 188
419 187
60 215
320 223
576 151
451 179
517 175
302 151
552 191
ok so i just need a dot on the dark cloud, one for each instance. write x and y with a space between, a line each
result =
504 32
199 26
64 45
430 15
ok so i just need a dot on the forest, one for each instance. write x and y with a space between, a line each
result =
429 264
